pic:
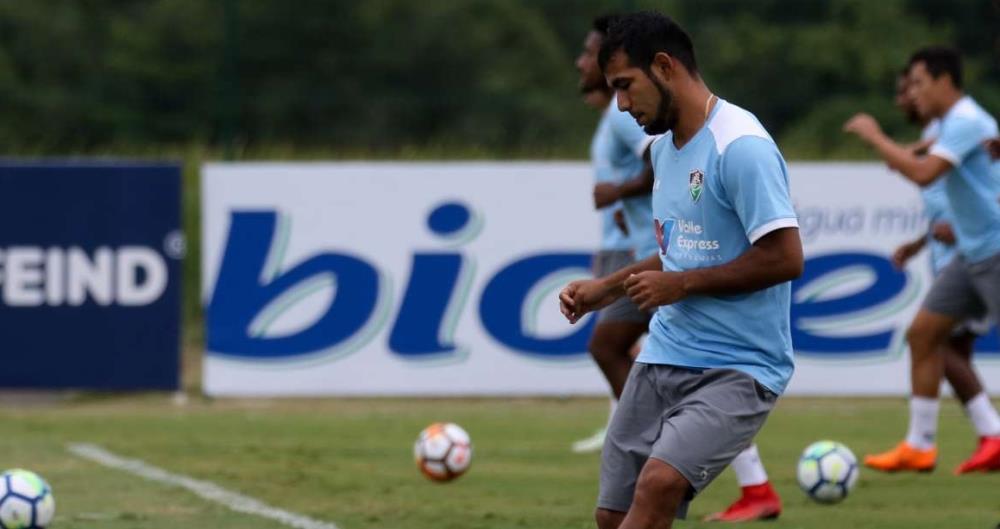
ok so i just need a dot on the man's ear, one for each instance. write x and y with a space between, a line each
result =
663 67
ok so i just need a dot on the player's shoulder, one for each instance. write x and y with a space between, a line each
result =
731 123
967 114
658 143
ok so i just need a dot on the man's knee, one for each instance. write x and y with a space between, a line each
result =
928 332
659 492
607 519
660 480
599 345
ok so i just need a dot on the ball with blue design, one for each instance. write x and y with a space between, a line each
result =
26 501
827 471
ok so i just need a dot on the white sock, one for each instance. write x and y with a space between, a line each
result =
613 407
984 416
749 469
923 422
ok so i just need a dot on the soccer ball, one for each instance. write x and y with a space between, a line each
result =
827 471
443 451
26 501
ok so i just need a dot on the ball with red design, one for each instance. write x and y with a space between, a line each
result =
443 451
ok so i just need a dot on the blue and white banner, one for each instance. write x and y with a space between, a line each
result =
90 275
442 279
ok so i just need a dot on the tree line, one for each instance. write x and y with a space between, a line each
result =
441 78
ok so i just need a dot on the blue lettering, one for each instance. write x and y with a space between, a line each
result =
240 296
433 277
500 308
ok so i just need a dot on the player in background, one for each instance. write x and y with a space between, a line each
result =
719 349
957 351
617 153
968 287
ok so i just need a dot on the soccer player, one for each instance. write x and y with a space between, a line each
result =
621 145
969 286
719 348
617 155
958 368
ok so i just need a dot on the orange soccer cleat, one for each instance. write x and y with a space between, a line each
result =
757 502
903 457
984 459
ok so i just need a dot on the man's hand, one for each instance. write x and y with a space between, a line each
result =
993 146
942 232
904 253
620 221
649 290
581 297
864 126
606 194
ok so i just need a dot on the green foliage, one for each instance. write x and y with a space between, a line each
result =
396 77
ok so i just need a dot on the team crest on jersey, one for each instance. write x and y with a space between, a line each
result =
696 183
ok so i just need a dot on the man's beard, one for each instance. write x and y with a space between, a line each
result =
666 113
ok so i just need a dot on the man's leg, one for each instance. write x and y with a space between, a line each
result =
610 346
961 374
758 500
618 328
958 369
608 519
658 494
927 335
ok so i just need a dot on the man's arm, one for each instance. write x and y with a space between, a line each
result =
608 193
993 146
630 136
774 258
921 170
640 185
581 297
906 252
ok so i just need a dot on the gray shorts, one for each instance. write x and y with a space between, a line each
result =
622 310
696 421
967 291
978 327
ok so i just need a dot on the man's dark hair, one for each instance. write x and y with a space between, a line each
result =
644 34
940 60
602 23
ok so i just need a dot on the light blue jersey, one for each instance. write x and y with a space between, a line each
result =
936 209
617 151
612 238
713 198
970 185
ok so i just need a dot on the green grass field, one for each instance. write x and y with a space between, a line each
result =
349 462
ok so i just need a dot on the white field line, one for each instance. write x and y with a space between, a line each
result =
204 489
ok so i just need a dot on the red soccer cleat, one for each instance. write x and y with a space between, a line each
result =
985 458
757 502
